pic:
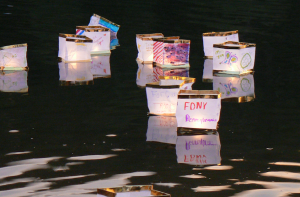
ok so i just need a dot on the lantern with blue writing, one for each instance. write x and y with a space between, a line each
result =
97 20
130 191
234 57
211 38
13 57
162 95
199 149
99 35
198 109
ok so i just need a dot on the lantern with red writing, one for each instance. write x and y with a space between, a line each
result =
100 66
198 109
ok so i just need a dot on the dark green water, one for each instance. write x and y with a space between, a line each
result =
60 125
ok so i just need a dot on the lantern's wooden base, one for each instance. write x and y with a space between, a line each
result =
143 62
100 52
228 72
14 68
187 65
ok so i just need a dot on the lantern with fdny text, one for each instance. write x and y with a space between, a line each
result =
171 52
99 35
144 44
162 95
74 48
234 57
13 57
198 109
211 38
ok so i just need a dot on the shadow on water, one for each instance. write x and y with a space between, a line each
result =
66 139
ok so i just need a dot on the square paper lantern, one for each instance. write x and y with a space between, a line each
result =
99 35
97 20
171 52
130 191
144 74
100 66
13 81
211 38
208 71
234 57
162 129
198 109
199 148
75 73
162 95
13 57
74 48
144 44
235 88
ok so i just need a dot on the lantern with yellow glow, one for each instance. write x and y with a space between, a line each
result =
13 81
234 57
162 95
144 44
198 148
99 35
100 66
171 52
13 57
211 38
130 191
75 73
162 129
235 88
198 109
74 48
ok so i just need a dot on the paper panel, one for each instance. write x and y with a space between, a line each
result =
174 53
13 57
198 113
144 74
198 149
78 51
101 41
15 81
162 129
75 72
207 70
100 66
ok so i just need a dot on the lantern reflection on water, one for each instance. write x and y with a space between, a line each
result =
13 57
207 71
198 147
130 191
13 81
235 88
75 73
145 74
100 66
234 57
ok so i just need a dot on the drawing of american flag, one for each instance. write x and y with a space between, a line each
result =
158 52
79 32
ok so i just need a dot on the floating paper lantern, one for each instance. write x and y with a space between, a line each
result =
207 71
162 95
75 73
97 20
235 88
199 149
234 57
162 129
131 191
211 38
198 109
144 44
171 52
13 81
99 35
144 74
13 57
74 48
100 66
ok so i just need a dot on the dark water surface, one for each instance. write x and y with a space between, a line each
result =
64 146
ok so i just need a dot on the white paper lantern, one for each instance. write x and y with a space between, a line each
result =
144 43
13 57
74 48
207 71
235 88
203 149
162 95
211 38
144 74
97 20
171 52
99 35
198 109
162 129
14 81
100 66
75 73
234 57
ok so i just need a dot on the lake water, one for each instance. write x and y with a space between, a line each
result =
59 140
